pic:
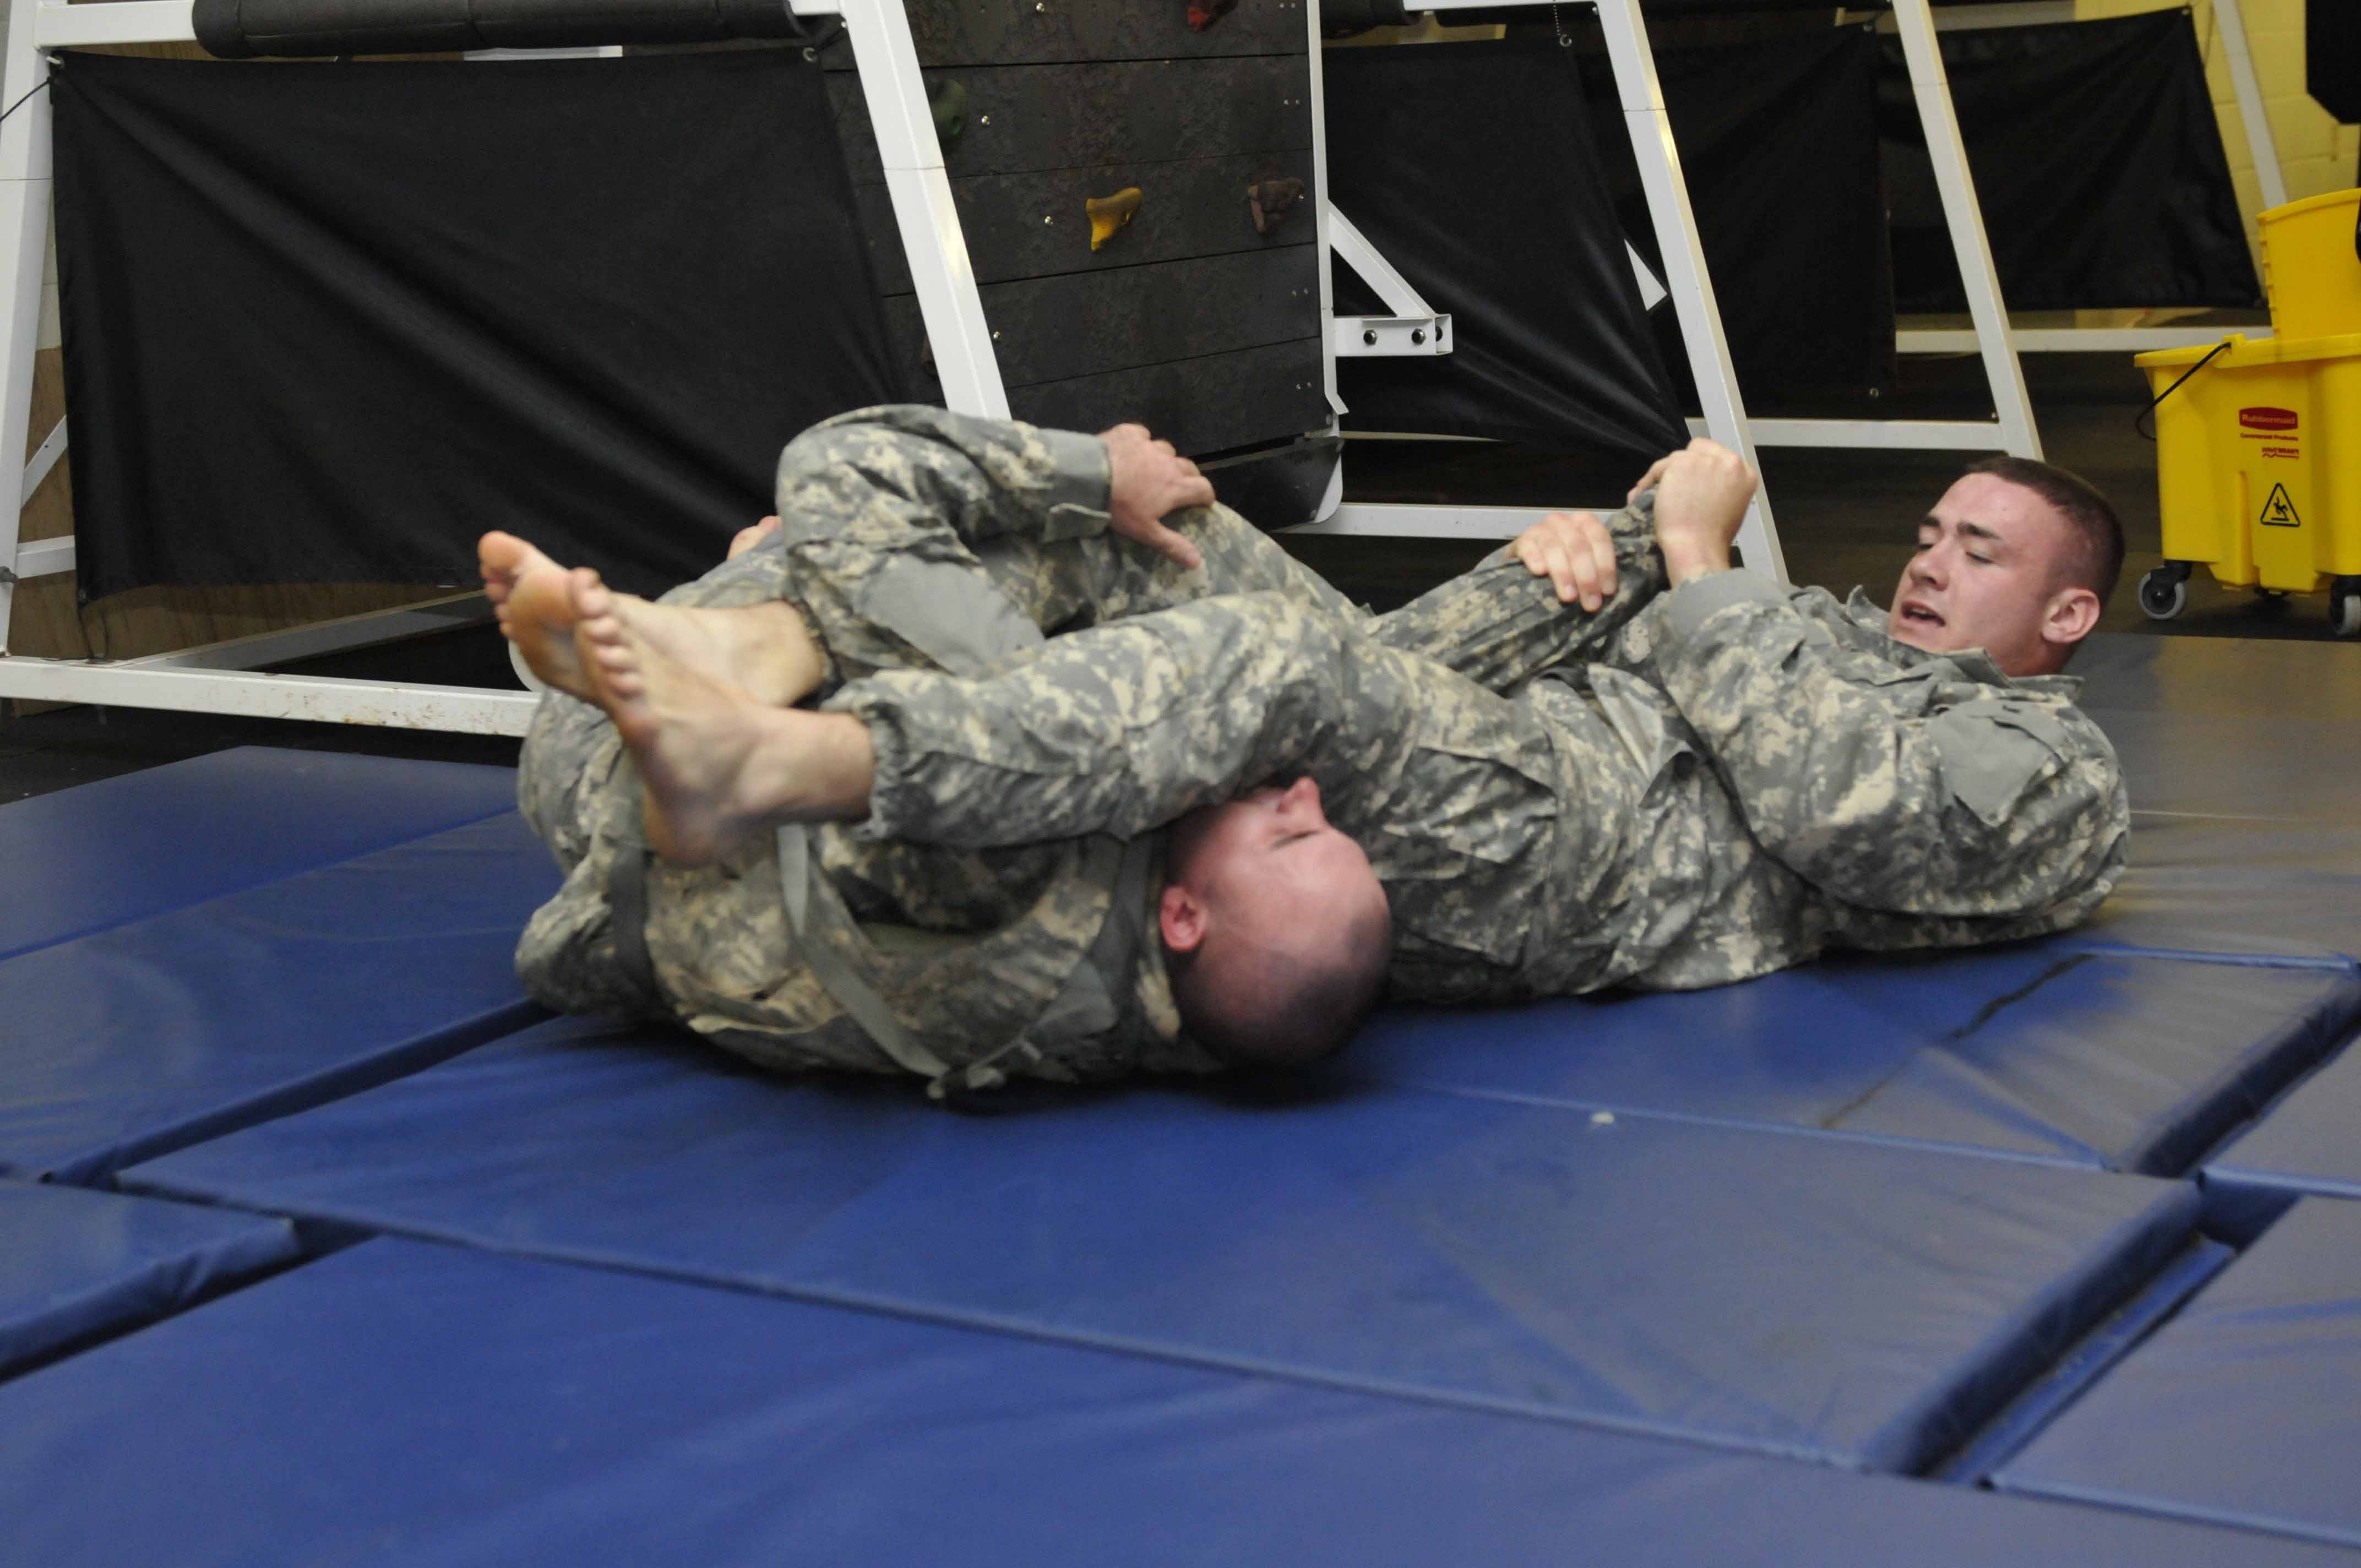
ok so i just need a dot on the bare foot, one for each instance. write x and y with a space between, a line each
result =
716 766
529 592
762 648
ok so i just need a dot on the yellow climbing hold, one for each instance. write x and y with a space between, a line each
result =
1109 213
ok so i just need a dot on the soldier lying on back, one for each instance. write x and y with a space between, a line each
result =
1870 782
832 948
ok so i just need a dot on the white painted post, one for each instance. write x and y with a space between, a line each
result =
24 244
2248 90
1685 276
1931 87
888 58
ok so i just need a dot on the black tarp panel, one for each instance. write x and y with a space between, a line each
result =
2332 57
2097 161
1778 144
1470 167
327 323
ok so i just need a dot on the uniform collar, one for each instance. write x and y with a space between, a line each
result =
1869 620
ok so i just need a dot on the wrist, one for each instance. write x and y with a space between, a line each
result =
1686 562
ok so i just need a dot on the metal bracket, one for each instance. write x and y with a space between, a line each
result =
1415 326
1367 337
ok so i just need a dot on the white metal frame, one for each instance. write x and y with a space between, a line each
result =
1687 279
1992 337
221 678
2245 87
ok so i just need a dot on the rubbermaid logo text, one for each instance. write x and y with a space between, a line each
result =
2268 419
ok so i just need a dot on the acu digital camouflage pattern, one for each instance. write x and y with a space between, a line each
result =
1681 792
1051 942
1674 794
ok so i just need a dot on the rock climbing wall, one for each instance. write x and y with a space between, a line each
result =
1134 180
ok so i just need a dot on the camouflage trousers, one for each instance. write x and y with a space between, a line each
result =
713 947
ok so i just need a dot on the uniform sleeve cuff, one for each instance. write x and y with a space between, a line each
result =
1690 605
888 788
1076 505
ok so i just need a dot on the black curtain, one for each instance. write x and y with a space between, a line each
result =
2097 162
1470 167
1779 148
326 323
2332 57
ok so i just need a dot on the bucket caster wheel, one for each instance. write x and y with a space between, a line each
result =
2344 607
2164 593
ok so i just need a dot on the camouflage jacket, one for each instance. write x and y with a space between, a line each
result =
828 946
1717 784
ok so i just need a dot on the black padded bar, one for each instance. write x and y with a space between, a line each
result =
247 29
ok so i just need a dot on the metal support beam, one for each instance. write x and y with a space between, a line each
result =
1353 248
52 448
24 243
888 58
466 710
61 26
2248 88
1964 214
2077 339
1642 102
45 557
1920 434
367 630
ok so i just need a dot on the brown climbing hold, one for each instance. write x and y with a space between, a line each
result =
1109 213
1203 14
1272 199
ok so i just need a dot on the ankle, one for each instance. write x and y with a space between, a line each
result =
810 767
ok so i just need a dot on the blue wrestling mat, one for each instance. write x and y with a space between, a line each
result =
400 1404
83 860
1650 1280
1633 1273
2129 1063
163 1030
74 1265
2246 1409
2309 1142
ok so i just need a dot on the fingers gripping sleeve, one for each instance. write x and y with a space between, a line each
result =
1499 625
1121 728
1997 806
986 479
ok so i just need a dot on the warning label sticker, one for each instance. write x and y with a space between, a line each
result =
2279 511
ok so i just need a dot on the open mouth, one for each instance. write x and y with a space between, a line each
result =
1919 615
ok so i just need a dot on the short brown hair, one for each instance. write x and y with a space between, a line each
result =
1255 1008
2094 555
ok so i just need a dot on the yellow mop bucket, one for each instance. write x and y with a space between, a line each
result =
2258 462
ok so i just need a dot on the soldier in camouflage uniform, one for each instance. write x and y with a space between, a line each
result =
1555 841
913 539
1705 784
